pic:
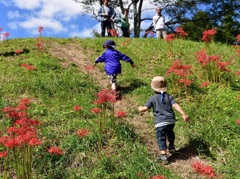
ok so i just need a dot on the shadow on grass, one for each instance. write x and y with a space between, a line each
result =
194 148
12 53
123 90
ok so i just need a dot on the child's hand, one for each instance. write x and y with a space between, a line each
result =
185 117
133 65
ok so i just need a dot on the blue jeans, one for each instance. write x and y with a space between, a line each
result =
163 134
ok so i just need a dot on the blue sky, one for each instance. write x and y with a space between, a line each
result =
60 18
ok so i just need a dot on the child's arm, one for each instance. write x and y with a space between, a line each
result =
142 108
179 109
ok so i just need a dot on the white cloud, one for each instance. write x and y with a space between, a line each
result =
50 24
13 14
27 4
86 32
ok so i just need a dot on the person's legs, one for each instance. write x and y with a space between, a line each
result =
164 34
158 33
103 28
171 137
109 28
161 134
125 32
112 79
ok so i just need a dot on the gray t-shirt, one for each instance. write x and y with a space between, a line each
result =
162 109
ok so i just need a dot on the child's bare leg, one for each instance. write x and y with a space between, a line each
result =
163 152
114 86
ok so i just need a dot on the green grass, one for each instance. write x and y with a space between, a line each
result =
54 90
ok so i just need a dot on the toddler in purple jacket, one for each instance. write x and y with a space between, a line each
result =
111 58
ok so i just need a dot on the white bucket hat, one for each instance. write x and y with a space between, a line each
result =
159 84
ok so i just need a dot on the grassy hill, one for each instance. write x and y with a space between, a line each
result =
56 94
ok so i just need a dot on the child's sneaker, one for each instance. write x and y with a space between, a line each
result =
172 149
163 158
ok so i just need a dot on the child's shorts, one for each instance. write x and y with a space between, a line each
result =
112 78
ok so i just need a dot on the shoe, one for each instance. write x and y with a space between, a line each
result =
162 157
171 149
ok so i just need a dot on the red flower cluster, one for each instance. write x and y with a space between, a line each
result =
158 177
96 110
179 69
238 38
28 67
18 51
121 114
77 108
82 133
185 82
23 132
170 37
181 32
204 59
238 72
204 169
204 84
238 122
39 43
40 29
208 35
106 96
222 66
3 154
55 151
89 67
5 35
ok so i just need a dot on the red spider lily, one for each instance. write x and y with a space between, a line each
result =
238 122
40 29
238 38
28 67
77 108
82 133
113 32
204 169
181 32
106 96
214 58
158 177
18 51
238 52
11 143
185 82
238 72
5 35
1 28
208 35
170 37
179 69
96 110
121 114
90 67
55 150
222 66
204 84
125 42
202 58
34 142
3 154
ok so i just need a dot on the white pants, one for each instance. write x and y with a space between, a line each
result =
161 33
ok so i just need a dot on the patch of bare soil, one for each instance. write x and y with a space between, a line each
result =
180 163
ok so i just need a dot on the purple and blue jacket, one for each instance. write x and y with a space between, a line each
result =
111 58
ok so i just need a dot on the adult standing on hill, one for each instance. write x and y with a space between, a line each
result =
107 15
125 24
159 24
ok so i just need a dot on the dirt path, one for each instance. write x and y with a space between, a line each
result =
180 163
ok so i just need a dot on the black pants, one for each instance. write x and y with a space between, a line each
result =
125 32
106 25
